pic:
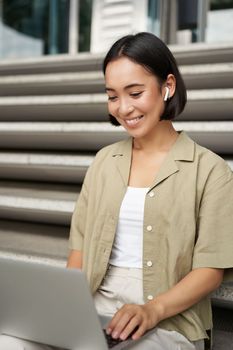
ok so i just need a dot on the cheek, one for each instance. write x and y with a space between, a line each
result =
148 104
111 109
154 102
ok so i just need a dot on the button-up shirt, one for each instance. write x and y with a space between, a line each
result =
188 222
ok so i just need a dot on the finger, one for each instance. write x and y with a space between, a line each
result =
121 324
140 331
131 327
112 323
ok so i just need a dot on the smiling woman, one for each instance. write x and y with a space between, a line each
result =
152 227
153 209
135 97
144 94
146 51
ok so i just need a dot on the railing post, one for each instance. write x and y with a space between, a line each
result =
202 11
73 27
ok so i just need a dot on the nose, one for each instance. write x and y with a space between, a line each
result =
125 108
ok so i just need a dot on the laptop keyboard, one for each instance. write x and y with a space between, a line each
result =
111 341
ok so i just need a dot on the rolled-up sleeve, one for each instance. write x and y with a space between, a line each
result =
214 244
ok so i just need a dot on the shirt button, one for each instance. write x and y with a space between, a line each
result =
149 263
151 194
149 228
150 297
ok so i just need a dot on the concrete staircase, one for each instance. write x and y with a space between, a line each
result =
53 118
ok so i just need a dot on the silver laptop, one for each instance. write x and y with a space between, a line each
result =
50 305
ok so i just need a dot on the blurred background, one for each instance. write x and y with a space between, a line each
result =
46 27
53 115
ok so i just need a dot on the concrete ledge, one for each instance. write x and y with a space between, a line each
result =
51 64
63 136
202 105
215 104
88 107
59 83
217 136
37 203
32 258
187 54
202 53
205 76
44 167
208 76
223 296
36 210
45 243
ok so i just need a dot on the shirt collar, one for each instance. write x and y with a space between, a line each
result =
182 150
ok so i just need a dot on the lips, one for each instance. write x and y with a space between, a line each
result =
133 121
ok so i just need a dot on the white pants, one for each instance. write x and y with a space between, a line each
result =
120 286
123 286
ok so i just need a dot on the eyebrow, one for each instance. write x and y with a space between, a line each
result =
126 87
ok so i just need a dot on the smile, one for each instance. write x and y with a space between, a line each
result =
134 121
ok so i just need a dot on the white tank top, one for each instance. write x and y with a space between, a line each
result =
127 246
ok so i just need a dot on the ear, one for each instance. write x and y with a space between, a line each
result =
171 84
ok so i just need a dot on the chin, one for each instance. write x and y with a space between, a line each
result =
136 134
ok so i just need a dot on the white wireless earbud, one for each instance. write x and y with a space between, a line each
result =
166 96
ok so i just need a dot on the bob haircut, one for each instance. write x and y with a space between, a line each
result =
150 52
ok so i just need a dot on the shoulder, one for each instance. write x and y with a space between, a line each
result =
211 164
203 163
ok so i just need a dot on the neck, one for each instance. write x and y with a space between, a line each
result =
159 140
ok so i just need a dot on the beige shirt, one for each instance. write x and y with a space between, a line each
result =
188 222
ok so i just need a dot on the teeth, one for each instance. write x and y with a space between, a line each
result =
133 121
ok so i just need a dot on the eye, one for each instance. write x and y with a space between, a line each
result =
136 94
112 98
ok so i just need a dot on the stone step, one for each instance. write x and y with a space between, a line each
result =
223 297
52 64
72 136
202 105
50 204
58 135
196 53
196 77
34 241
56 83
209 105
202 53
51 167
84 107
208 76
222 328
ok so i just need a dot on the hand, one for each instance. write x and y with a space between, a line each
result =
131 317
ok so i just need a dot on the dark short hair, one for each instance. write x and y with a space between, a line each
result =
149 51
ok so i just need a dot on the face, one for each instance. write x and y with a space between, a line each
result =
134 97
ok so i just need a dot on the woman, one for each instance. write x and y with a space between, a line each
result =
153 224
152 227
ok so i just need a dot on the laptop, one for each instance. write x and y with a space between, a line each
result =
50 305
